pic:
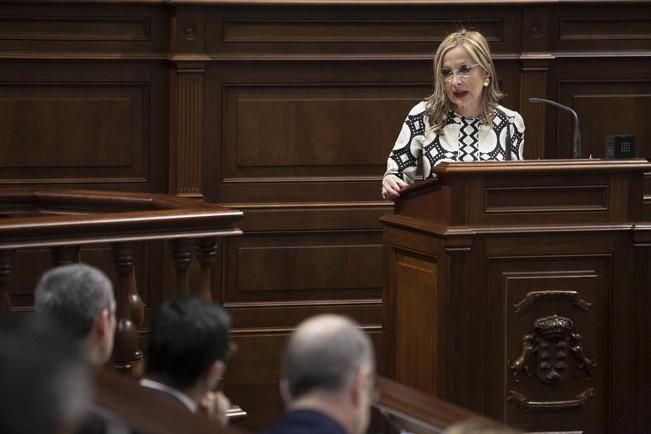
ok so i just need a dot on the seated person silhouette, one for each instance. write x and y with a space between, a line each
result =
187 352
45 383
327 380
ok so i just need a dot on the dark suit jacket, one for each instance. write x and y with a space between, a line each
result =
169 395
306 422
101 421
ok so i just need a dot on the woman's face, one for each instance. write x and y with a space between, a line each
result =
463 80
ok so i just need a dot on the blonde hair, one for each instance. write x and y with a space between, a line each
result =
438 103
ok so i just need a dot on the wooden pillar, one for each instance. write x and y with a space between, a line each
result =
206 254
182 251
64 255
6 267
186 129
187 47
127 355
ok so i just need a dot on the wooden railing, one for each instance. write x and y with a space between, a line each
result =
150 412
408 410
65 220
404 409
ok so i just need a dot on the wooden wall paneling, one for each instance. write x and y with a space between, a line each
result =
509 76
333 95
294 261
22 280
188 38
533 83
83 95
82 30
30 264
315 266
603 46
535 59
307 136
611 96
347 32
642 297
602 28
82 124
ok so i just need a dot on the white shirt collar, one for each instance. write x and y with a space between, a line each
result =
185 399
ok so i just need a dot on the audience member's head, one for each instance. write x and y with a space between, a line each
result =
329 367
188 345
79 298
44 380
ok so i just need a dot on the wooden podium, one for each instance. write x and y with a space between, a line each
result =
513 289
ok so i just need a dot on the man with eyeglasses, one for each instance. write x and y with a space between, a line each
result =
327 379
187 352
461 120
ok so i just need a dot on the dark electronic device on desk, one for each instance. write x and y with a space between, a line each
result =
620 147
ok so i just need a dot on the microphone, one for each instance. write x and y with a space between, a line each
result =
577 132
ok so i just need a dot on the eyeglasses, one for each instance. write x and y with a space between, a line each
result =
463 72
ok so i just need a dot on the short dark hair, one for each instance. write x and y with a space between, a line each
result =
73 296
325 353
44 380
187 336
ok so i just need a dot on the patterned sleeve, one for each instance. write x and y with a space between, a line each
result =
518 137
403 160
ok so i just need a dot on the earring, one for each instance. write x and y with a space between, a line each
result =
486 82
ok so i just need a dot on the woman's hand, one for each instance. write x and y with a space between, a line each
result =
391 186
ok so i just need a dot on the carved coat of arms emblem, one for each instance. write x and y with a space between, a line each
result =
553 341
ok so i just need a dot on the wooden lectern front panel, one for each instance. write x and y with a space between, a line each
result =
416 295
548 336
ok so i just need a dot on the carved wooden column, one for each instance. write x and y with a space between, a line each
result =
6 267
207 250
182 251
187 27
65 255
127 355
186 129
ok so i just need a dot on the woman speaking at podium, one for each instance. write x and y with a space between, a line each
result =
461 121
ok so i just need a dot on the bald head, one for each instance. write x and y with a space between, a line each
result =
325 353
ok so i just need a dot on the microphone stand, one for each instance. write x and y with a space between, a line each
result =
576 148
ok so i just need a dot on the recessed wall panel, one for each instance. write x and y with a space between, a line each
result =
287 267
73 130
311 130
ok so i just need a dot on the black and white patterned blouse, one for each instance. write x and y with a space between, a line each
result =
462 139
